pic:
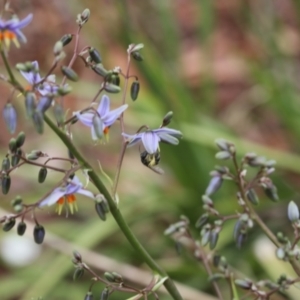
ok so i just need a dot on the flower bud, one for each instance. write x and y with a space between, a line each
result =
42 174
109 276
44 103
20 139
9 224
134 90
38 121
89 296
214 184
214 236
34 155
114 79
100 70
5 184
66 39
15 159
280 253
223 155
137 56
64 90
21 228
117 277
111 88
58 48
78 273
39 234
100 211
205 237
293 212
95 55
77 256
69 73
30 104
243 283
167 119
216 276
5 164
97 127
10 117
21 67
85 15
202 220
12 145
134 47
104 294
252 197
59 113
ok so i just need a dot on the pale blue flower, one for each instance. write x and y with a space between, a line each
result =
107 116
151 138
65 195
10 30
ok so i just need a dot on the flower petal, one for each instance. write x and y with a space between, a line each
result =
85 118
104 105
173 132
113 115
150 141
168 138
132 139
53 197
86 193
20 24
73 186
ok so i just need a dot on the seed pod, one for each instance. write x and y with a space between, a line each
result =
12 145
9 224
205 238
20 139
167 119
111 88
95 55
42 174
214 236
89 296
252 197
137 56
100 70
30 104
97 132
69 73
38 121
78 273
21 228
117 277
39 234
134 90
6 181
100 211
5 164
66 39
202 220
64 90
109 276
115 79
104 294
15 159
10 117
77 256
58 48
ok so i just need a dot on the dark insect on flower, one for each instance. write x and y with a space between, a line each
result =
151 161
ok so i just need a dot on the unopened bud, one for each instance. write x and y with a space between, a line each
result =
95 55
39 234
58 48
5 184
66 39
167 119
38 121
30 104
42 175
10 117
20 139
293 212
21 228
100 70
134 90
69 73
111 88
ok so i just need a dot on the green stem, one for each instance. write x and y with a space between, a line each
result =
169 285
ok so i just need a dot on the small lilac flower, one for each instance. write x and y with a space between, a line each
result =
65 195
107 117
33 77
10 30
151 138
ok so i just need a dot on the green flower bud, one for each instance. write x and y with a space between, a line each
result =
21 228
66 39
89 296
100 211
77 256
109 276
95 55
64 90
134 90
244 284
12 145
137 56
42 175
78 273
38 121
69 73
20 139
111 88
39 234
293 212
30 104
5 164
104 294
167 119
252 197
10 117
5 184
100 70
98 126
58 48
214 236
202 220
223 155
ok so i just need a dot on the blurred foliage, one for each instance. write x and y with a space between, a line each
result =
226 69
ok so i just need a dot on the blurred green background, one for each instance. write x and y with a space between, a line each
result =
226 69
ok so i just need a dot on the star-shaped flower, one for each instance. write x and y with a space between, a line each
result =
100 120
33 77
151 138
64 195
10 30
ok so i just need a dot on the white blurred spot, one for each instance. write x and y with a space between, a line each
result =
19 251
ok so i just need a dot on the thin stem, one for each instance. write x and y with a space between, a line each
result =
115 211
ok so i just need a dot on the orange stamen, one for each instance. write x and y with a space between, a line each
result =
106 130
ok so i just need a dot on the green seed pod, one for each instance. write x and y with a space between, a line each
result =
6 181
115 79
9 224
59 113
243 283
39 234
69 73
38 121
89 296
21 67
117 277
58 48
16 201
21 228
66 39
214 236
134 90
15 159
111 88
104 294
12 145
100 70
100 211
42 174
95 55
216 277
109 276
18 208
137 56
20 139
34 155
5 164
252 196
64 90
78 273
202 220
30 104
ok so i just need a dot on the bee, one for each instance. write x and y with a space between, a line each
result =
151 161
